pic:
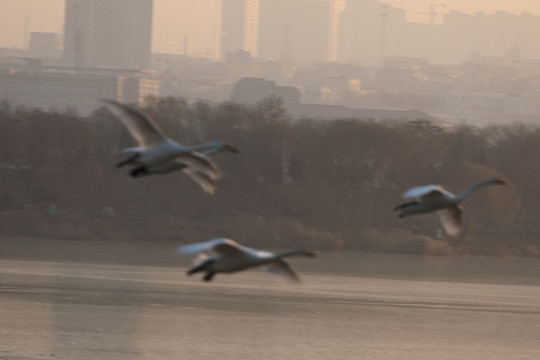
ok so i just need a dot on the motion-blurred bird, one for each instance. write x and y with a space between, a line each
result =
202 178
430 198
158 154
230 257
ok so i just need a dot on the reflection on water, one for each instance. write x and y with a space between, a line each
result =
349 306
421 267
440 268
81 318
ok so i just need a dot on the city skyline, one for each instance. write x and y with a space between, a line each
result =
181 26
104 33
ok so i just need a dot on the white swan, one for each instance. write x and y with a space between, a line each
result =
204 178
231 257
430 198
158 154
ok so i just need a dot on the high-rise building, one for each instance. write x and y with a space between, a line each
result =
106 33
298 31
336 7
239 26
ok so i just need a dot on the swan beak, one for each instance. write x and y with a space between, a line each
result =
309 253
231 148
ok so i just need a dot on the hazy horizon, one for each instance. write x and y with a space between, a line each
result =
173 20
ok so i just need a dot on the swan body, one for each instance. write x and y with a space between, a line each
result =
429 198
156 154
205 177
183 163
229 257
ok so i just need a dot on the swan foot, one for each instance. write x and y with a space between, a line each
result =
209 275
196 269
201 267
138 171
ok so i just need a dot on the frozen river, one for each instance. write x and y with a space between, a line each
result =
349 306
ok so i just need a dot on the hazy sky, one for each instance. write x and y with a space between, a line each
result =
199 20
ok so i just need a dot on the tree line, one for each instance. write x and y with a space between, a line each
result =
323 184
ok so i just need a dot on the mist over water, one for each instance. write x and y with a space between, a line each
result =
76 304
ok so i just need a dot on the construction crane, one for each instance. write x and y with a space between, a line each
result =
432 7
432 12
384 15
26 43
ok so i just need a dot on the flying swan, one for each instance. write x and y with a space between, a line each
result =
229 257
158 154
204 179
430 198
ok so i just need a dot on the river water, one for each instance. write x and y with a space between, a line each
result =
75 300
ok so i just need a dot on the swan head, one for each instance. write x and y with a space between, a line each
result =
308 253
230 148
494 180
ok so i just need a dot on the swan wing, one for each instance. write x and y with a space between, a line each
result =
207 183
201 163
167 167
223 148
451 219
419 191
131 150
221 246
141 127
283 267
431 195
437 198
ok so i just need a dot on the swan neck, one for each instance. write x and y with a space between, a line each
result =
472 188
289 253
206 146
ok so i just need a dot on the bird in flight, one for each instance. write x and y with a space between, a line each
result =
428 198
229 257
157 154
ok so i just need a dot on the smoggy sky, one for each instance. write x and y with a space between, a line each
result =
199 22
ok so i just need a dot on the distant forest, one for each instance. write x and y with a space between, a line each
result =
320 184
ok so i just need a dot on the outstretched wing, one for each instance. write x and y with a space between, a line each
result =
282 267
141 127
431 195
202 179
220 246
419 191
223 148
451 219
201 163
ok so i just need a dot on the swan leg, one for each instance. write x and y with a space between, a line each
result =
209 275
194 270
141 170
127 161
198 268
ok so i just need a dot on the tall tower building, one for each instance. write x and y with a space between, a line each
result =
106 33
239 26
307 25
336 7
